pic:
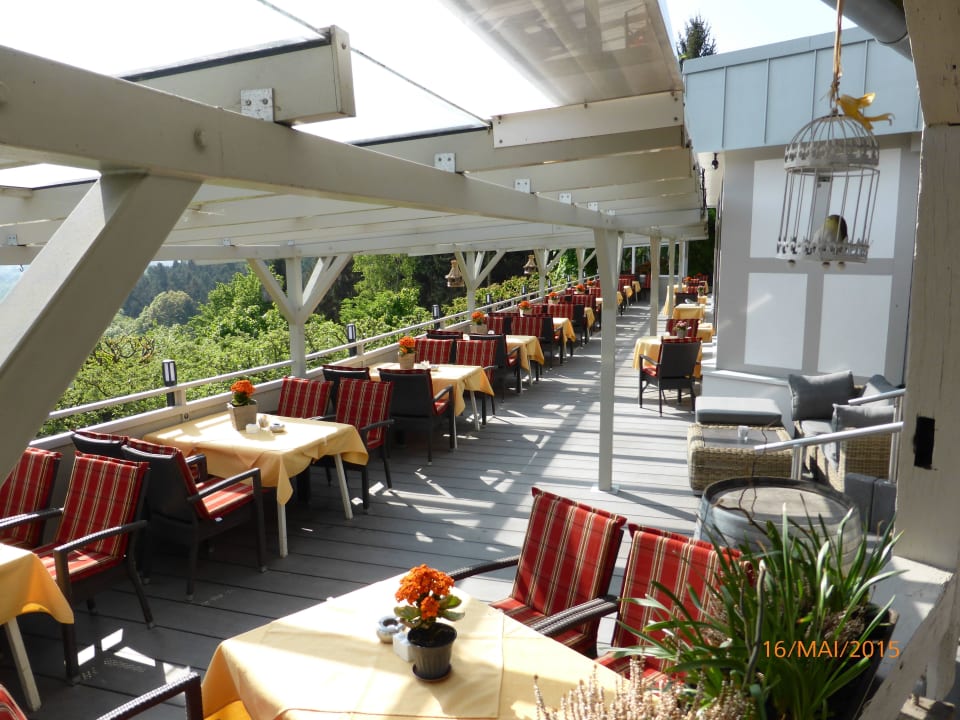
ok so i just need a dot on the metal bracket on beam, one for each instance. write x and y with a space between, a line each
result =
12 239
445 161
522 185
565 197
257 103
594 205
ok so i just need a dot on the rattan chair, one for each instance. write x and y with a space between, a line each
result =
567 558
336 373
303 398
414 404
482 354
674 370
28 489
189 512
663 566
97 443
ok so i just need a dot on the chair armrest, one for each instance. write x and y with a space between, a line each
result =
515 351
553 625
363 431
94 537
200 462
251 474
448 390
650 360
466 572
189 685
30 517
329 417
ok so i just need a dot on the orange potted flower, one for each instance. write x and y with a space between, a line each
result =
407 353
427 597
242 407
479 321
523 306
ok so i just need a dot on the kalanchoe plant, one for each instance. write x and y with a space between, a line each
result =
776 622
407 345
427 595
477 317
242 390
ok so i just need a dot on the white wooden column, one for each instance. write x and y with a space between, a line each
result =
671 275
53 317
654 283
475 272
928 493
608 268
300 301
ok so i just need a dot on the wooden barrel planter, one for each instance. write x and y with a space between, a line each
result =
736 511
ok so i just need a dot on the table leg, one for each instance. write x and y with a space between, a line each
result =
476 415
344 493
282 528
22 663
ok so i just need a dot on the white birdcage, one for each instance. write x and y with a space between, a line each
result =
830 192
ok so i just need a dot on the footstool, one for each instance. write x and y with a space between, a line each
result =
723 410
715 452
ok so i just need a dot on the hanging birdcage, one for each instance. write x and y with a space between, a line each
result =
454 278
831 188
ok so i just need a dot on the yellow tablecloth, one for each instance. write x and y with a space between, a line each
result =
689 312
566 327
649 345
28 587
589 316
529 349
327 661
279 456
462 377
637 287
705 332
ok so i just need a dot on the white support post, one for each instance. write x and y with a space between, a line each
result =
297 325
608 267
654 283
671 275
52 318
465 259
682 271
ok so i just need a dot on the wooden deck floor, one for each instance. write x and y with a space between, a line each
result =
469 505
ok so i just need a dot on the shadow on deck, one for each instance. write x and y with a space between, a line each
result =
470 505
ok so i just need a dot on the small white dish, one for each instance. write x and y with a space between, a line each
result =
277 427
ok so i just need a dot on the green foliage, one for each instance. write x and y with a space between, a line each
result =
768 615
195 280
695 40
173 307
237 309
384 272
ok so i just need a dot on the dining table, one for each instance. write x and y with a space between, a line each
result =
529 349
327 662
279 455
565 327
689 311
650 345
461 377
27 587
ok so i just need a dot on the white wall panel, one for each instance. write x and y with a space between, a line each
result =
769 179
883 234
853 324
776 305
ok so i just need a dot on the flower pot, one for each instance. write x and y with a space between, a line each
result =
846 704
431 649
243 415
406 360
480 329
682 333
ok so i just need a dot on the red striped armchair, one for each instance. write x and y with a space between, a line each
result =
567 558
28 489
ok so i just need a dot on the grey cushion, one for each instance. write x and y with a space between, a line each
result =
813 396
809 428
876 385
724 410
859 416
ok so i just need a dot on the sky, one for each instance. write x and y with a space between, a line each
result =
419 39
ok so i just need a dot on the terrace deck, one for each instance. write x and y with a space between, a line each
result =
470 505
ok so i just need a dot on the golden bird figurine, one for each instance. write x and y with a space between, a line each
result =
852 107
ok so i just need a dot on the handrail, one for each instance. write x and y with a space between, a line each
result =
889 395
796 444
181 387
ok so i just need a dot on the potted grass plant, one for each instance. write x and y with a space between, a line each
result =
793 625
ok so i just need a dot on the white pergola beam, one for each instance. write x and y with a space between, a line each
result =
64 115
594 119
52 318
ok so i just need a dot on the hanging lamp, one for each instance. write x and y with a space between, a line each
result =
454 278
832 167
530 267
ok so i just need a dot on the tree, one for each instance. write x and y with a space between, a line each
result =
171 307
695 40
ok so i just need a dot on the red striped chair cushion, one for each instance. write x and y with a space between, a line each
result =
28 488
567 558
362 402
477 352
678 563
434 351
9 710
303 398
103 493
527 325
213 505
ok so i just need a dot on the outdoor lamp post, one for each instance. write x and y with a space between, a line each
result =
352 338
435 312
170 380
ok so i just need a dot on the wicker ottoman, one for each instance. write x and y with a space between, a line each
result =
714 452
